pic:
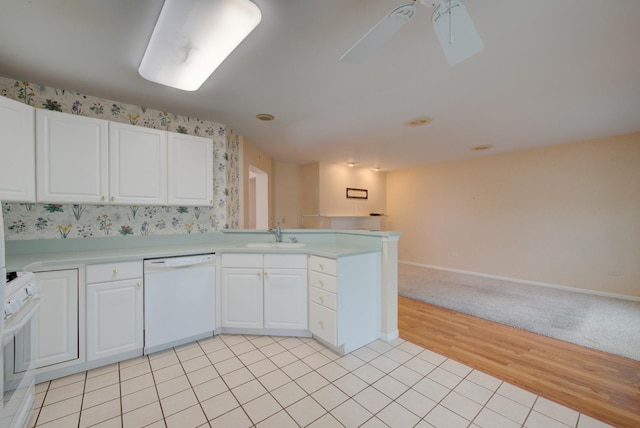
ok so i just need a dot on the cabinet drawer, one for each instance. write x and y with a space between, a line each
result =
113 272
322 323
322 264
242 260
287 261
322 297
322 281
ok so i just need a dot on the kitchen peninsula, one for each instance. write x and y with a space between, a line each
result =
347 280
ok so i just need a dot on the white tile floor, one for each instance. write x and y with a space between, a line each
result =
245 381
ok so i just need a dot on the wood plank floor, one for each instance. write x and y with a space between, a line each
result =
601 385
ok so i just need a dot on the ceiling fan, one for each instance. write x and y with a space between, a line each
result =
451 21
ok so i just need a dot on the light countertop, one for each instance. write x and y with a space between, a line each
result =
41 254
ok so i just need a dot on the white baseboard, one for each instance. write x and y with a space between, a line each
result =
388 337
525 281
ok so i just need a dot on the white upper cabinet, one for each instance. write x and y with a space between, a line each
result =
17 148
72 158
137 165
87 160
190 170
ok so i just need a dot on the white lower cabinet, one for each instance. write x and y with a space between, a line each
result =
242 297
57 318
98 318
267 291
344 300
114 309
285 298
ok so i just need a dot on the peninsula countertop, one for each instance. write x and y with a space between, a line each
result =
41 254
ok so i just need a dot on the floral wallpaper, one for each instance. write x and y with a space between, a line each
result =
50 221
42 221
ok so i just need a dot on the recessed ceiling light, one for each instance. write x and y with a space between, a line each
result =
483 147
376 169
265 116
351 164
419 121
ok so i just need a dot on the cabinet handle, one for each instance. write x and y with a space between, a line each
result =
210 201
103 198
259 275
113 198
266 274
116 271
321 283
321 299
321 266
321 324
138 284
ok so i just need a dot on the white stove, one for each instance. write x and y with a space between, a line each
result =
20 290
21 303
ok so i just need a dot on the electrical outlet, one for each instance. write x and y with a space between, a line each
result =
455 254
283 221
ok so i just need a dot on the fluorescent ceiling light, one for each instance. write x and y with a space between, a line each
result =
193 37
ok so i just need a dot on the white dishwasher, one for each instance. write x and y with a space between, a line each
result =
179 300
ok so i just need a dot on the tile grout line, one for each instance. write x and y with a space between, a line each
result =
121 396
35 422
220 376
84 388
290 348
155 385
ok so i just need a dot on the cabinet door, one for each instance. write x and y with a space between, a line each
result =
17 145
57 318
114 318
285 298
71 158
242 298
190 170
137 165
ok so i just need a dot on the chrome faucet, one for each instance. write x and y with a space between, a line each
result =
277 232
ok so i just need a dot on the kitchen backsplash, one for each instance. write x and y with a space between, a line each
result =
50 221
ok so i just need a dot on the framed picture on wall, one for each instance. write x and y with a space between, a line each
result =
357 193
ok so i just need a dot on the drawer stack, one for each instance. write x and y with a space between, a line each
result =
323 299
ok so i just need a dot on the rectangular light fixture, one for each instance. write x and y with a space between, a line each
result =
193 37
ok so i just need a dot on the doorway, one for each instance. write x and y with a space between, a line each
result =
258 198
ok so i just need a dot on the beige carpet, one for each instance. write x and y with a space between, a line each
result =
603 323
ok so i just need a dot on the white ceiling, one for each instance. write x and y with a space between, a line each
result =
551 72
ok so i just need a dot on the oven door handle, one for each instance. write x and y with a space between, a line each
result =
9 332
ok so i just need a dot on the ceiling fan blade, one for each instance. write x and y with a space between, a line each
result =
380 33
455 30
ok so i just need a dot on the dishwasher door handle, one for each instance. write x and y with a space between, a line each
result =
179 262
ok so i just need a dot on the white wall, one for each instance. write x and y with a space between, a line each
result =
566 215
287 194
334 180
252 156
